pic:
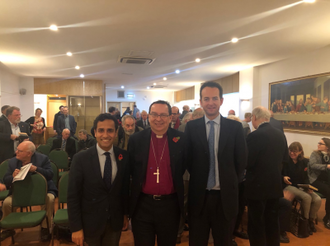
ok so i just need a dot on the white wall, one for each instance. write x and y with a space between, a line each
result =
143 99
311 63
27 100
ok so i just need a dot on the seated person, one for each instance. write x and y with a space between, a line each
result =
284 211
65 143
294 173
85 140
26 154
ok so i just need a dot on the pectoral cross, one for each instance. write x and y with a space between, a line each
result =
157 173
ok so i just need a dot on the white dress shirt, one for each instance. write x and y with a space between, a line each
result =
102 159
15 131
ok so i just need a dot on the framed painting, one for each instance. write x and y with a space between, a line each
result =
302 104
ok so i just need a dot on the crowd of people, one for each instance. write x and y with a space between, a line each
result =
165 172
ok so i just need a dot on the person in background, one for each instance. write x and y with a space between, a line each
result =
318 174
294 173
138 116
275 123
112 110
175 122
246 127
85 140
127 111
135 110
143 122
3 111
185 119
231 112
66 121
65 143
185 109
56 118
198 113
37 127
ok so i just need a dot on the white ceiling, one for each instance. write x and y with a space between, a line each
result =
175 32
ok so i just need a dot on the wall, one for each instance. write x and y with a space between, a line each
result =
143 99
311 63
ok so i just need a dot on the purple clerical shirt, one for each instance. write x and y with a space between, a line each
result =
165 185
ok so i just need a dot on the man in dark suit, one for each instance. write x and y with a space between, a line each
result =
275 123
26 154
3 111
56 118
267 151
144 122
65 143
98 189
10 130
157 163
66 121
217 158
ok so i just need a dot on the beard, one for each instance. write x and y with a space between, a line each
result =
129 133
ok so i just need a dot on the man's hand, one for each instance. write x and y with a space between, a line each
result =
13 137
2 187
78 237
125 224
33 169
15 172
286 180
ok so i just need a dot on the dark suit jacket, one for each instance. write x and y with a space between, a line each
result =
43 167
55 120
70 147
140 124
3 117
61 124
6 144
268 150
231 164
138 149
276 123
90 203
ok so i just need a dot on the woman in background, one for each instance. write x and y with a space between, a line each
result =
37 127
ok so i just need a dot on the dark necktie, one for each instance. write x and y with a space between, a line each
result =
211 179
107 175
63 144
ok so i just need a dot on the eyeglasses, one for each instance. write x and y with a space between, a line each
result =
20 151
320 143
293 151
175 113
162 116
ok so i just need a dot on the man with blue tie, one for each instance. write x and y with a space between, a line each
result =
217 161
98 189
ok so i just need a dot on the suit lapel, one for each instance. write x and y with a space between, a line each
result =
202 133
145 145
119 168
172 149
224 134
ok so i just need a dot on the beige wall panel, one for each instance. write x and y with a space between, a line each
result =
186 94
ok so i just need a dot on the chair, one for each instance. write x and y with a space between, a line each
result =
76 143
55 171
32 191
44 149
60 158
61 216
3 170
50 141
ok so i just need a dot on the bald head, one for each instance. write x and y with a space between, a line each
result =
65 133
185 108
24 151
231 112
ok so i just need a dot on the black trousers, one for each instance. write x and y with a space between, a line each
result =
211 217
242 202
156 218
263 223
324 189
108 238
285 208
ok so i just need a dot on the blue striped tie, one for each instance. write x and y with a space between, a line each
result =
107 175
211 179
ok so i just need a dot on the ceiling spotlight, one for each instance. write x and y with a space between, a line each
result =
197 60
69 53
309 1
154 83
53 28
122 87
164 78
148 87
234 40
77 67
177 71
82 76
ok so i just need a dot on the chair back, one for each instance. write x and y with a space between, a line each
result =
31 191
44 149
63 188
3 169
60 158
55 172
76 143
50 141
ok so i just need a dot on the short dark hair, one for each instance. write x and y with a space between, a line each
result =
211 84
83 131
111 109
60 107
11 109
103 117
162 102
4 107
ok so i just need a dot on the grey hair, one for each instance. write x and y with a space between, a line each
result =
31 147
198 113
186 117
261 113
233 117
11 109
127 116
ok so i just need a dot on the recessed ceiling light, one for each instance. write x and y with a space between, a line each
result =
122 87
177 71
155 84
82 76
148 87
69 53
309 1
234 40
164 78
53 28
197 60
77 67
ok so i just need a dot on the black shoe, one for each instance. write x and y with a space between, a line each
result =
7 233
241 234
233 243
284 238
45 235
311 225
327 224
325 219
178 240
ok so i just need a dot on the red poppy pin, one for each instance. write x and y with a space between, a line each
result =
120 157
305 169
176 139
